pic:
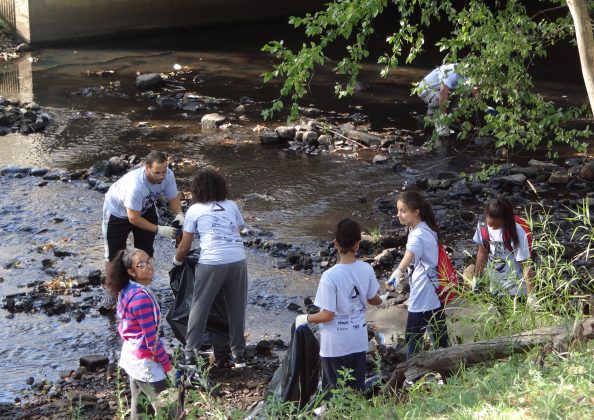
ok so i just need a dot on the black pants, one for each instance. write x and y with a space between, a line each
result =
331 366
417 323
118 229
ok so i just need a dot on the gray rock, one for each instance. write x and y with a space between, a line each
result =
285 132
459 189
30 380
13 169
587 171
388 141
365 138
93 362
517 179
95 277
32 106
379 159
325 140
116 166
212 120
385 257
269 137
78 316
310 136
529 172
543 165
558 178
192 106
168 101
149 81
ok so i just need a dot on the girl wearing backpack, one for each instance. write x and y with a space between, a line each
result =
424 306
504 250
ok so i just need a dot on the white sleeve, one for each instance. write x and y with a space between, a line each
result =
134 198
522 251
373 287
326 295
170 188
190 222
238 217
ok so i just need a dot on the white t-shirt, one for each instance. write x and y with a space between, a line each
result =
344 290
217 225
422 242
134 191
503 268
445 74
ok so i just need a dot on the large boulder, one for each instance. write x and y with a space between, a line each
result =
365 138
559 178
116 166
149 81
212 120
285 132
269 137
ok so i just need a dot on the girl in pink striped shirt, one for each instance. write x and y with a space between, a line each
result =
143 355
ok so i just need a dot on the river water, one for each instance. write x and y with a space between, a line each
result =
296 197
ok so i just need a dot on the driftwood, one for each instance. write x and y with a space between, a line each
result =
448 360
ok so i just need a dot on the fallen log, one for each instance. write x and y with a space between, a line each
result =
447 360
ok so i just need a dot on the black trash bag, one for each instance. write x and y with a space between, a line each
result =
181 280
296 379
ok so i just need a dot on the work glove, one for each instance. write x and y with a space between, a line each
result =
178 221
300 320
167 231
176 262
394 279
384 303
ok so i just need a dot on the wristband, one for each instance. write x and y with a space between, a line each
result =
307 318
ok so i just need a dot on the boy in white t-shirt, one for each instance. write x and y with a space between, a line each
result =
342 295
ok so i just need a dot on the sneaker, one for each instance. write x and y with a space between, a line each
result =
238 361
188 361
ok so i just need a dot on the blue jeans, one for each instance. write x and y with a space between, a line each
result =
417 323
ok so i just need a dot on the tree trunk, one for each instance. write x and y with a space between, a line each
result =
449 360
585 41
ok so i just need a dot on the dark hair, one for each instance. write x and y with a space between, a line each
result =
415 201
501 209
117 274
348 232
155 156
208 185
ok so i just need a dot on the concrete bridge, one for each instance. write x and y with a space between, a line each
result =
49 21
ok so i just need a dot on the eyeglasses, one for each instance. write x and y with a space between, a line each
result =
143 264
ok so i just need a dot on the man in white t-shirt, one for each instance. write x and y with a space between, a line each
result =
435 90
129 207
